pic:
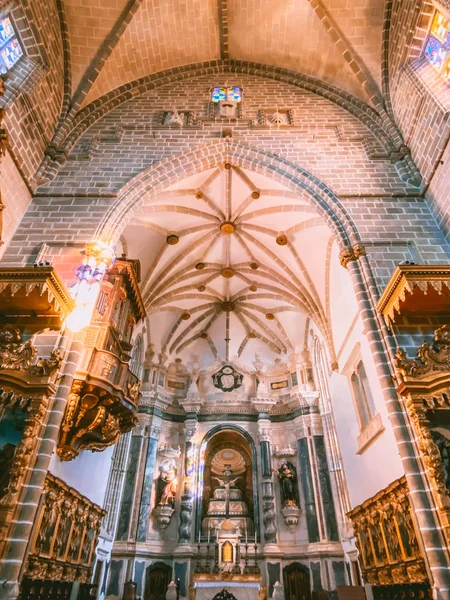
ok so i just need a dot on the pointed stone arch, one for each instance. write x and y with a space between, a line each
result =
138 192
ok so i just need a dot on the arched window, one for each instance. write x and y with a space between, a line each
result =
363 396
437 47
137 354
10 47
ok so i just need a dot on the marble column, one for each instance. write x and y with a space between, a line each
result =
147 484
187 502
308 490
268 494
329 512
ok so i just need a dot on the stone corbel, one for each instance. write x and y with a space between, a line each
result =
350 253
93 420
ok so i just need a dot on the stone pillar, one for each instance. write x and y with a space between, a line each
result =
435 551
123 532
308 490
15 558
187 505
268 494
147 484
329 512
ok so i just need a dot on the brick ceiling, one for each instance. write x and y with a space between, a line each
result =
338 41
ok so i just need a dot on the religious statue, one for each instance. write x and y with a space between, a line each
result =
226 483
288 483
443 444
167 486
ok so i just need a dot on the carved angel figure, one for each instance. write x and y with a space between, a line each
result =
14 354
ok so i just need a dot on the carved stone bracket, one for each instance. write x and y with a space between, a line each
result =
350 253
431 358
93 420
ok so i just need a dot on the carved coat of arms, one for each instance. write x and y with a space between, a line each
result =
227 379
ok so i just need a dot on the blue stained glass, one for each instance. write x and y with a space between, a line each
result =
218 94
11 53
6 30
234 94
435 52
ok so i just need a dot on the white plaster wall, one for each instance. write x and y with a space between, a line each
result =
380 464
87 473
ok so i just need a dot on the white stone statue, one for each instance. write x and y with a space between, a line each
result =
278 593
172 591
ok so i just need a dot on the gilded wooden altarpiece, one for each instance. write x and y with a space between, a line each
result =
386 538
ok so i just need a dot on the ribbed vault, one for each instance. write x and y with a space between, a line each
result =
233 264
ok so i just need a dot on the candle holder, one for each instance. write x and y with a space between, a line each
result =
216 558
256 567
246 567
237 567
207 569
198 564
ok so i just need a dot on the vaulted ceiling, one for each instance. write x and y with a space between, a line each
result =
233 264
114 42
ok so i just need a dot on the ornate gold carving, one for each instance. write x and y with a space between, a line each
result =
24 452
68 525
416 289
20 356
93 420
386 538
431 358
35 290
350 253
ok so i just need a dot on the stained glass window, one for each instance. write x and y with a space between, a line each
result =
232 94
437 48
10 48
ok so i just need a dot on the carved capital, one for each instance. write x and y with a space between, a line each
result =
350 253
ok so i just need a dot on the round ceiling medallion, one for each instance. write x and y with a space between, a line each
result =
172 239
227 272
204 335
252 335
256 194
201 288
200 266
254 266
227 166
227 306
253 288
185 316
199 195
270 317
227 227
282 240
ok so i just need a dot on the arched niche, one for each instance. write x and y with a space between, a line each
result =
218 438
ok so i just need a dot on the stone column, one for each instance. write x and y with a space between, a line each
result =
268 494
123 532
436 553
14 560
306 475
187 505
147 484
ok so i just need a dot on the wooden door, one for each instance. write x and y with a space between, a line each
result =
296 582
158 579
